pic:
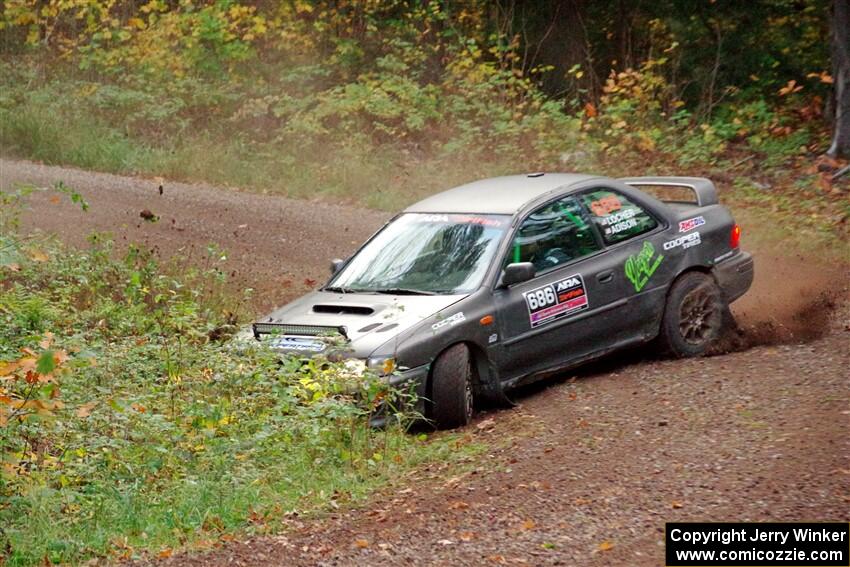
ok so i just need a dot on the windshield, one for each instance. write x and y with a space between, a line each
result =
425 253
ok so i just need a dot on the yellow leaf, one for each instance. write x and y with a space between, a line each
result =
39 256
164 554
676 504
605 546
528 525
361 543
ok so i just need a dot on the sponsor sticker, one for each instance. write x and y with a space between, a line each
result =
605 205
453 320
690 224
692 239
463 219
296 343
556 300
724 256
493 338
640 267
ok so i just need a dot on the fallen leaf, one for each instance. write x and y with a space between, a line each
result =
676 504
85 409
47 340
361 543
496 558
445 542
38 256
164 554
605 546
458 505
467 536
13 267
590 110
528 525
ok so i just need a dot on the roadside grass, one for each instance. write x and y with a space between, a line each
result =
130 425
42 123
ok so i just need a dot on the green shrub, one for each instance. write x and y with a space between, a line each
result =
127 422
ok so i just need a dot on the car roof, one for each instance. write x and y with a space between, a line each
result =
498 195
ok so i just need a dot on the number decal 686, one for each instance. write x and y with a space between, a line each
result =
540 298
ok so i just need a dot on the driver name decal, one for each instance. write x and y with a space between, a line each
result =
556 300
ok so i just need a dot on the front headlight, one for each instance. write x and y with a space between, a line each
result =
381 365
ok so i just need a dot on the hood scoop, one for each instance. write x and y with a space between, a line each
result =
337 309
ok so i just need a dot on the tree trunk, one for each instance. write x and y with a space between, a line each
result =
841 76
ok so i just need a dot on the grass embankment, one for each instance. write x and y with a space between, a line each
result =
129 426
385 142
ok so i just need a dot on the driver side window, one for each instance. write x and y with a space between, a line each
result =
553 235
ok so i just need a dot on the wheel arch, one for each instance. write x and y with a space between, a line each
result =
483 371
699 268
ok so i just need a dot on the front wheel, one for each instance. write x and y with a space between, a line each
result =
452 389
693 316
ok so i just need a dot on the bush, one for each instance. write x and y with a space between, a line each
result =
128 422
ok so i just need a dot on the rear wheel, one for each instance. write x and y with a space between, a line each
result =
694 315
452 388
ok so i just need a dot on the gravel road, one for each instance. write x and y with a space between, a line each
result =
586 469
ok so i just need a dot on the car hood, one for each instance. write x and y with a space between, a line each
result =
368 320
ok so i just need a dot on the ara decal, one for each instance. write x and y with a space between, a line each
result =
556 300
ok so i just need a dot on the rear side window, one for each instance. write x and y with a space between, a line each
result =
616 216
553 235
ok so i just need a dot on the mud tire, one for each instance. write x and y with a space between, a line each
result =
452 388
694 316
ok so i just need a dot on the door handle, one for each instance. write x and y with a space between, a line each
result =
606 276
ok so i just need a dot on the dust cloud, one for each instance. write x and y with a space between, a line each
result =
793 298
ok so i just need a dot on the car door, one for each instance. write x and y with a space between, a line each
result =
634 238
553 318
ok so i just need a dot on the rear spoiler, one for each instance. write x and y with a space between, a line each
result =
704 189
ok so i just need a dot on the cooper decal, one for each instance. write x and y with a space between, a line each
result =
556 300
453 320
690 224
692 239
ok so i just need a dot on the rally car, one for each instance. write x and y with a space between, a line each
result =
497 283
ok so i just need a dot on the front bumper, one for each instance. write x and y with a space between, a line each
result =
735 275
414 378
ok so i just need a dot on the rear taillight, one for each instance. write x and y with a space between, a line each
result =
735 236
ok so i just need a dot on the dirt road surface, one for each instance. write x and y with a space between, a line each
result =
586 469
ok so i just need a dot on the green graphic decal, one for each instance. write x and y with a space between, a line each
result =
641 267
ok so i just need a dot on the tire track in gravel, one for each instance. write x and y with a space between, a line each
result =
280 247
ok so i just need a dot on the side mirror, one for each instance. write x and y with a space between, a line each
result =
518 273
336 266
